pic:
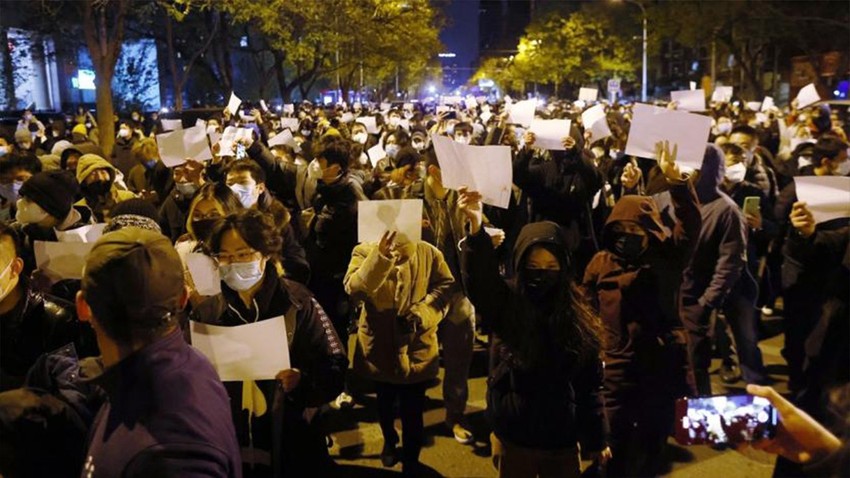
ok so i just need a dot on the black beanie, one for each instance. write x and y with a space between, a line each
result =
53 191
135 207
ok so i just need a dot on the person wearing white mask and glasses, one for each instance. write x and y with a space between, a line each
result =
246 247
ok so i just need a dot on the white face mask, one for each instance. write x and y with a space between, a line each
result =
360 138
391 150
305 133
12 283
393 121
462 139
736 173
123 133
843 168
418 145
30 212
723 128
241 276
363 159
4 150
247 194
186 189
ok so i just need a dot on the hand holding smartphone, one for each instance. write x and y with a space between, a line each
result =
724 419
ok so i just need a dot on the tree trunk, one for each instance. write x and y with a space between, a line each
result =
105 110
8 72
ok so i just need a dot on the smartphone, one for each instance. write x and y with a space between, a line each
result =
724 419
751 205
240 151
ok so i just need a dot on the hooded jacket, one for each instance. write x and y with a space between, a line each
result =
720 255
639 300
88 164
553 402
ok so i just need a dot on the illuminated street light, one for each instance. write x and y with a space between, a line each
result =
643 80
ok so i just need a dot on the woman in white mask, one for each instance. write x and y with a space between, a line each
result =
246 248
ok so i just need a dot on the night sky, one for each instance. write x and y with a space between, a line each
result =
461 35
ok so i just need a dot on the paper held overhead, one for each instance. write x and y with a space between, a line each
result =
256 351
403 216
289 108
233 103
370 123
285 138
595 121
588 95
807 96
175 147
689 100
486 169
722 94
522 112
651 125
827 197
767 104
550 134
172 125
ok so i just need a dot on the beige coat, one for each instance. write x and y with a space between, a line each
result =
416 280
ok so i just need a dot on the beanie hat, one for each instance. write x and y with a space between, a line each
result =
134 212
53 191
80 129
22 135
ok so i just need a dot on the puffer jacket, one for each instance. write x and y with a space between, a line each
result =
412 285
88 163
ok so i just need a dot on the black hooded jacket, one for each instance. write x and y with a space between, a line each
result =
548 403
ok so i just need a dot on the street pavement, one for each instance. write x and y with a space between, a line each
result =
358 441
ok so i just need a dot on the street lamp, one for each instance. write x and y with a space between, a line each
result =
643 81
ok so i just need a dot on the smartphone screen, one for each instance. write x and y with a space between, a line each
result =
751 205
724 419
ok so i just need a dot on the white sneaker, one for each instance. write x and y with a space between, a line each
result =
766 311
462 435
344 400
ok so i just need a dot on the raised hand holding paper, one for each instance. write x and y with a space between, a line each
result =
176 146
595 120
256 351
807 96
486 169
588 94
827 197
289 108
284 138
233 104
550 133
687 131
289 123
689 100
767 104
403 216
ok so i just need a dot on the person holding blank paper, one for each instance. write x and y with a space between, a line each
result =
274 418
405 289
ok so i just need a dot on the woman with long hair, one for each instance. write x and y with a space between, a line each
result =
543 395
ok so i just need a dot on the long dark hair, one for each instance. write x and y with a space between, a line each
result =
570 326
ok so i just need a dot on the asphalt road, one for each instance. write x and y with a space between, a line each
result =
358 441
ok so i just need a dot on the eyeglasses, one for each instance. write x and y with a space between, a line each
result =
198 216
246 255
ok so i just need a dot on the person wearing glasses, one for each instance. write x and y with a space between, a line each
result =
274 417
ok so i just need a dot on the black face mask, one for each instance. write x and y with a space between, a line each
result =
97 188
629 246
202 228
539 283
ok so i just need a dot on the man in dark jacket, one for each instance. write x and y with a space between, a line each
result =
633 284
718 279
188 178
561 190
333 232
31 323
167 413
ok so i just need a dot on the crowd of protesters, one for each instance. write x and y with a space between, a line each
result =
603 290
